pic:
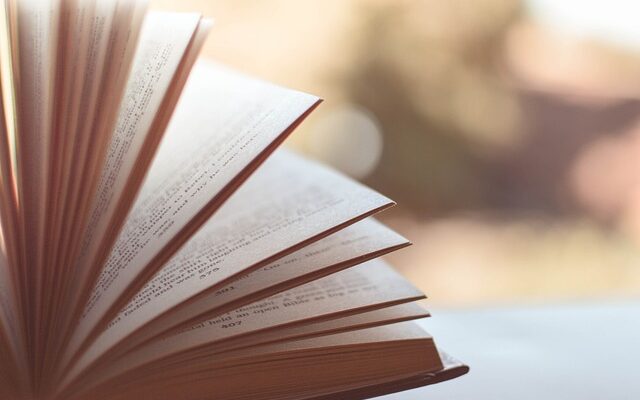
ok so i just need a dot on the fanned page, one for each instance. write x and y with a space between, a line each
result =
305 368
368 286
89 91
225 125
355 244
166 48
156 242
295 195
38 35
160 307
312 328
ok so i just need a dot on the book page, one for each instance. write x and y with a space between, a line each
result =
102 95
393 333
74 103
84 119
289 194
224 126
38 38
370 284
366 286
86 46
81 50
302 330
169 46
163 42
357 243
250 373
348 247
387 315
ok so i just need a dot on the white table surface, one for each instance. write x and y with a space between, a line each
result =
581 351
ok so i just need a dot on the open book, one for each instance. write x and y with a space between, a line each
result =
157 244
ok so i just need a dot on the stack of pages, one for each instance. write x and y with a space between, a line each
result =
160 254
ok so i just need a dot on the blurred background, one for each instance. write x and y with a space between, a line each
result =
507 130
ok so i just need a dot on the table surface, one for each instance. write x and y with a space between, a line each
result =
570 351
